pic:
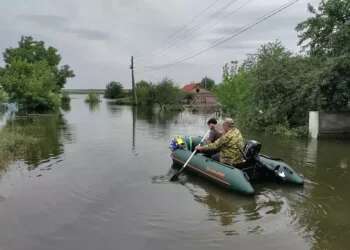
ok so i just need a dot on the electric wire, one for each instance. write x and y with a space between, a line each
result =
225 39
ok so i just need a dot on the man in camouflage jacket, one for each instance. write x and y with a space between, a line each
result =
228 145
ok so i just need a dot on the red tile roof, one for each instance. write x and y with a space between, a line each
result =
190 87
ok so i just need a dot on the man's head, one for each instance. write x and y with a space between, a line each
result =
227 124
212 123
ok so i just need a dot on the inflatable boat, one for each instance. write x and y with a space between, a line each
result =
256 167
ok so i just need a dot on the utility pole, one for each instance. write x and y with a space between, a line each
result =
133 81
205 82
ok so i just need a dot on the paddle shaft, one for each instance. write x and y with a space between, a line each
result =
189 159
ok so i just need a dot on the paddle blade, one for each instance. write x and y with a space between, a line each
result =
175 176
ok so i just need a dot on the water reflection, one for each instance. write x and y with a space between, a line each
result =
104 185
94 106
327 199
134 113
65 106
112 107
41 138
156 118
236 213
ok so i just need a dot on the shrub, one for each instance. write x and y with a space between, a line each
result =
93 97
113 90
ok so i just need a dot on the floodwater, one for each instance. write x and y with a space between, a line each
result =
95 178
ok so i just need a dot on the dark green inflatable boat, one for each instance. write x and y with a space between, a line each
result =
237 178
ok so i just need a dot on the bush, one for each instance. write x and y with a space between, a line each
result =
165 94
273 91
3 95
145 92
93 98
113 90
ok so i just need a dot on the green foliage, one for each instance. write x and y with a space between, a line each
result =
188 97
145 92
31 85
32 77
166 93
272 91
234 91
3 95
93 98
327 32
286 86
114 90
326 35
207 83
335 84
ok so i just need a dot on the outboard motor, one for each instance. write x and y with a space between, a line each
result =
251 150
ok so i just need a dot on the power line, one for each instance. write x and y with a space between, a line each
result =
184 27
200 26
223 40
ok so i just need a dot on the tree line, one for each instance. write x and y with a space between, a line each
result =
274 89
165 94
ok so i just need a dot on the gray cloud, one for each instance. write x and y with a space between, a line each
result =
48 21
97 38
61 24
89 34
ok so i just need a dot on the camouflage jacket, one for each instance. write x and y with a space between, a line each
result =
229 146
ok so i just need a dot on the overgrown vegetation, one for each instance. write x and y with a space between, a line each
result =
93 98
32 77
114 90
165 94
3 95
274 89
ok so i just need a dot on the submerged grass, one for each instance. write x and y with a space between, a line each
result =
13 144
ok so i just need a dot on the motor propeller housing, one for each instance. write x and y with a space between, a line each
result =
251 150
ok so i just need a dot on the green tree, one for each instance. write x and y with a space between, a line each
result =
207 83
114 90
335 84
145 92
273 90
286 86
166 93
235 91
327 32
31 85
32 76
327 35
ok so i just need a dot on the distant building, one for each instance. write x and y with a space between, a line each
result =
201 96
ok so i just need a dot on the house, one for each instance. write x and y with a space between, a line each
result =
201 96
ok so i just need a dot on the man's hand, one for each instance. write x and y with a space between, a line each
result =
199 148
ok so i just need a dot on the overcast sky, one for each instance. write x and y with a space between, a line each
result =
97 37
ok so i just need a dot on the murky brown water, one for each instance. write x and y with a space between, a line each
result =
94 179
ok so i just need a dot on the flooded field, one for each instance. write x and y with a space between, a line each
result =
94 178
